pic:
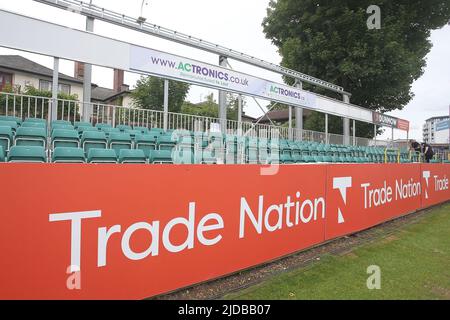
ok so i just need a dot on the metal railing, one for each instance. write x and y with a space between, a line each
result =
24 106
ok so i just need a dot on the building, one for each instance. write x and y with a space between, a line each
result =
19 72
435 130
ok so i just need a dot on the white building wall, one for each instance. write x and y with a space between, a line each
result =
23 79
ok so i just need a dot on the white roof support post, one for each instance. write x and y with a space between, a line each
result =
53 115
392 136
166 104
239 115
290 136
87 81
327 138
223 62
299 117
346 123
375 129
354 133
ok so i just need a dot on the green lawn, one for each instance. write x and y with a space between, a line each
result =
414 263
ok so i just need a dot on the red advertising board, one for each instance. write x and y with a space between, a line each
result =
361 196
101 218
72 231
435 184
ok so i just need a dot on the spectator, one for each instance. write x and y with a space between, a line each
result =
423 148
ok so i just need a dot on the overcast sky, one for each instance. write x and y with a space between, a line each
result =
235 24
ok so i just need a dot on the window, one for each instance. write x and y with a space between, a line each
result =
5 79
46 85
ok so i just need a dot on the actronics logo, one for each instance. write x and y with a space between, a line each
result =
199 70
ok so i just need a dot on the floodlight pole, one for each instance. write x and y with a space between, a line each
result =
223 62
346 123
299 115
54 111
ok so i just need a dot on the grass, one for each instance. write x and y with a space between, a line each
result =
414 264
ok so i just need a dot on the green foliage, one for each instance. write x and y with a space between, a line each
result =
32 91
330 40
210 108
39 102
149 94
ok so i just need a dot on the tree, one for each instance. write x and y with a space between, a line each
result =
330 40
210 108
149 94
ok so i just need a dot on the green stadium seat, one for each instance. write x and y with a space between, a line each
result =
183 156
59 122
207 157
132 156
2 154
166 142
62 126
99 125
68 155
145 143
101 156
11 118
65 138
157 131
123 127
36 120
286 159
27 124
12 124
83 129
27 154
133 133
119 141
6 138
93 140
143 130
26 136
160 156
78 124
108 131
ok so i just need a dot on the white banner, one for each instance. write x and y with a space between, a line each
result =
144 60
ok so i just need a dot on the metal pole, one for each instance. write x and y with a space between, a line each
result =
392 136
354 133
239 115
346 124
375 134
299 117
223 100
327 139
87 80
290 123
166 104
54 111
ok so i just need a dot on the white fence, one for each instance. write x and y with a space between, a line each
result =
24 106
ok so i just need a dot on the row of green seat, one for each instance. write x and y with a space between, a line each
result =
77 155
